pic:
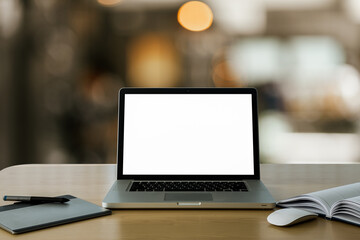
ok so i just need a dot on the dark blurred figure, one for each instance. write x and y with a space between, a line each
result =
270 97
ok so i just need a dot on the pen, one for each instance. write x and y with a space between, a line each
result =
35 199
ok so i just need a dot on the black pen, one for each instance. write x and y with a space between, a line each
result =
36 199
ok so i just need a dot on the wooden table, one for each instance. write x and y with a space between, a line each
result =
92 181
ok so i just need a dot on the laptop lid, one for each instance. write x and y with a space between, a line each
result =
188 134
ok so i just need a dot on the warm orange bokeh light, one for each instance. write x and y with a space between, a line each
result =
153 61
195 16
109 2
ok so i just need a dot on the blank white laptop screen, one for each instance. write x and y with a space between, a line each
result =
188 134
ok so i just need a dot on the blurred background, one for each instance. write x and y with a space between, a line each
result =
63 62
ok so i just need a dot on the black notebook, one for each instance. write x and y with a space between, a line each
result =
24 217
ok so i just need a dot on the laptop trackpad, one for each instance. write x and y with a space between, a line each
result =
188 197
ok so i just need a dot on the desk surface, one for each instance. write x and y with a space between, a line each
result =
91 182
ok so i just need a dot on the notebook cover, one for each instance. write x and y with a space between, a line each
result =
25 217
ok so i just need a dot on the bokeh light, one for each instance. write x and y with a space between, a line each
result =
153 61
109 3
11 13
195 16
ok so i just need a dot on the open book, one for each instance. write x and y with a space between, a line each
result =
339 203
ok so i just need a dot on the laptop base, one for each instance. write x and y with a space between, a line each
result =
258 197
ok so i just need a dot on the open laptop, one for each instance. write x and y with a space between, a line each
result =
188 148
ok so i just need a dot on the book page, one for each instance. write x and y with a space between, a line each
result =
332 195
305 202
350 206
322 200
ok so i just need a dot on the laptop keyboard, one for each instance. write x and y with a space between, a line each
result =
183 186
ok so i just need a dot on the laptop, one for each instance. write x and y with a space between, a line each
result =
188 148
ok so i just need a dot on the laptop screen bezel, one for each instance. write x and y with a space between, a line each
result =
120 140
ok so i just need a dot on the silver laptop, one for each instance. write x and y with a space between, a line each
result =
188 148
